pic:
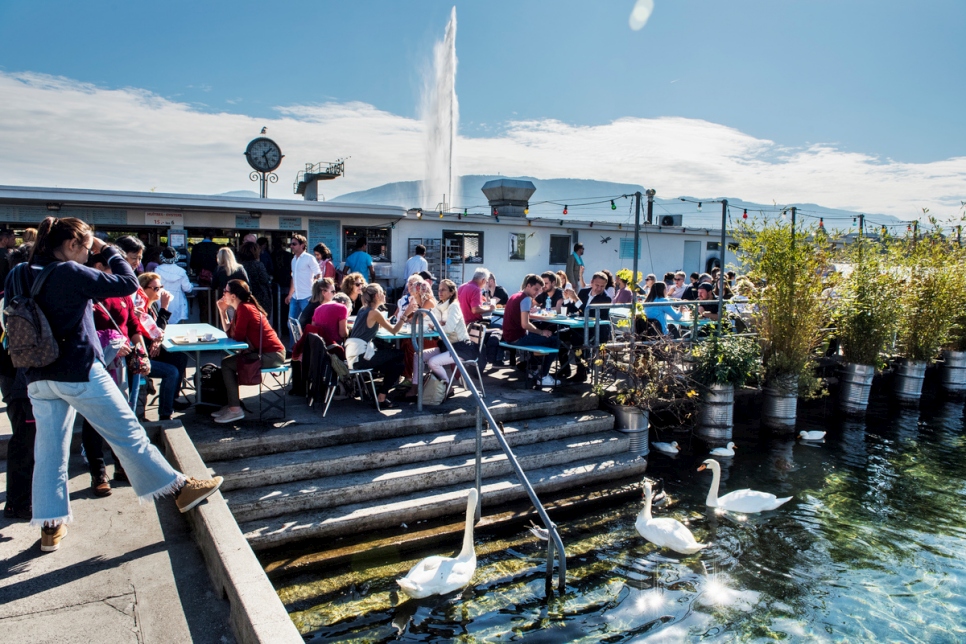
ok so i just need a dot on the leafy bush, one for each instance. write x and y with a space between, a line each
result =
726 360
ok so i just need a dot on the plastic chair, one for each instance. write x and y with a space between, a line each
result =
475 363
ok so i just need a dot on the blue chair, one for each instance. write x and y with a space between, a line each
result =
269 397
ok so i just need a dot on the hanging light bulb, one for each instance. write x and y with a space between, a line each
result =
620 226
419 214
854 219
884 231
565 209
440 214
529 222
613 206
744 215
908 228
591 224
561 222
393 225
699 206
526 211
459 216
821 222
464 211
496 212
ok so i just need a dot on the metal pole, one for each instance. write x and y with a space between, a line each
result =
637 247
861 225
959 235
794 210
650 206
418 360
479 462
721 272
550 566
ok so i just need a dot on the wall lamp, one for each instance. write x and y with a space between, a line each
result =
255 214
53 206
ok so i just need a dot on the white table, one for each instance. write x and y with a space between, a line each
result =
221 343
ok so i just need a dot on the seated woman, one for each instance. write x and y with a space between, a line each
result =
450 315
322 291
330 319
169 367
250 324
660 314
420 297
352 285
361 351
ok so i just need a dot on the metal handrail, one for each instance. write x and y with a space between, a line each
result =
554 542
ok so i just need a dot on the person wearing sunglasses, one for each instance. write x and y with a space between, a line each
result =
168 367
304 270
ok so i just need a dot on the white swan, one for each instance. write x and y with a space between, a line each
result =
667 448
724 451
440 575
811 435
746 501
665 532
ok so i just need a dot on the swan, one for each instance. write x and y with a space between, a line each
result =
667 448
440 575
724 451
665 532
746 501
811 436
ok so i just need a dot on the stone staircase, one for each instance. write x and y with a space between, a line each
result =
326 483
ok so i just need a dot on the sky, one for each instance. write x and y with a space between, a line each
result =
848 104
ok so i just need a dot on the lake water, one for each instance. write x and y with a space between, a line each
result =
870 549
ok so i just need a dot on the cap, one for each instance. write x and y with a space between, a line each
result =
426 275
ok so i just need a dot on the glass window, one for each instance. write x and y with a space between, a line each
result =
560 246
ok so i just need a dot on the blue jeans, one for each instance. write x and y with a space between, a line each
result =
100 401
537 340
170 380
295 307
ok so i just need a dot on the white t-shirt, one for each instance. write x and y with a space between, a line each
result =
416 264
304 269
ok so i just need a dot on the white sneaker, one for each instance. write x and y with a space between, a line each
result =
231 416
548 381
220 412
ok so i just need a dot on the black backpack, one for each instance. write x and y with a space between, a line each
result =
30 341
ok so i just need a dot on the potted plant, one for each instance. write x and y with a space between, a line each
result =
632 386
865 312
722 363
792 267
927 309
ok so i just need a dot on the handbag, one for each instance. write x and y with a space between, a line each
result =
434 391
250 364
138 363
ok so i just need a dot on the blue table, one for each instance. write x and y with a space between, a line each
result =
221 343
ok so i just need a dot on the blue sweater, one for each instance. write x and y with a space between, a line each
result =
662 313
66 301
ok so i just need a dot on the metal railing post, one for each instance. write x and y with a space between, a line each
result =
479 463
418 361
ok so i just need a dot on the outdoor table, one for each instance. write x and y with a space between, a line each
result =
569 322
221 343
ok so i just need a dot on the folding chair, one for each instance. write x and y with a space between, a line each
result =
480 331
294 330
273 398
342 372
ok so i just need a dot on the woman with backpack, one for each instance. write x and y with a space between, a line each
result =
72 378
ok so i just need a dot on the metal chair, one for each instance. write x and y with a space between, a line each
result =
294 330
342 372
475 363
273 398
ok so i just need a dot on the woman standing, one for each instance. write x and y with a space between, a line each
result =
324 257
77 380
177 284
258 279
249 324
228 269
360 349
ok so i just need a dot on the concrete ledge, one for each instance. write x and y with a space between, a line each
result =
257 614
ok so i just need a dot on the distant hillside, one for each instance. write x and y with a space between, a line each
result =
568 191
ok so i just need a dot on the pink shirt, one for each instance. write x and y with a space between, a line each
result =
327 317
470 295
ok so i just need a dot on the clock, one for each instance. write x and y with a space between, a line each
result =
263 154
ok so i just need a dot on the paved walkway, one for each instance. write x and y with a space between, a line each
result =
125 572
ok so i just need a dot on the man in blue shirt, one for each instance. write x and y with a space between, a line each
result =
360 261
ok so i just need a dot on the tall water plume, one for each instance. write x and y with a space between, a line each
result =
440 114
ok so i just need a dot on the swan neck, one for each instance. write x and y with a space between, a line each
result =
646 512
713 492
468 551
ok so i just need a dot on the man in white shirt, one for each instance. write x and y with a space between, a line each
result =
417 263
304 270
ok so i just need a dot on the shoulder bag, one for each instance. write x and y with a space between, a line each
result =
250 364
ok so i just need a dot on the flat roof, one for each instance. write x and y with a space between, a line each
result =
118 199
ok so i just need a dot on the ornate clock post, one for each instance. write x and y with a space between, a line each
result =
264 156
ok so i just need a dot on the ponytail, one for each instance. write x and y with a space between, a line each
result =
53 232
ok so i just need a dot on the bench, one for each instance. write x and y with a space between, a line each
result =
533 350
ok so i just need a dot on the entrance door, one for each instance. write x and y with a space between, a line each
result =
692 257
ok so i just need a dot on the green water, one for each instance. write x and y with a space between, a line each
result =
870 549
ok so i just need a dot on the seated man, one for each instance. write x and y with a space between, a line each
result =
596 293
519 330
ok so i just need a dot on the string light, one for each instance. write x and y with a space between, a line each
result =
465 211
744 215
591 224
526 211
565 209
459 216
854 220
699 206
419 214
440 214
620 226
561 222
496 211
884 231
613 206
529 222
821 222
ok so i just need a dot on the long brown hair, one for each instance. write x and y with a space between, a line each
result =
240 289
53 232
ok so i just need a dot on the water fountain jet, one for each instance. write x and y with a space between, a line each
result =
440 115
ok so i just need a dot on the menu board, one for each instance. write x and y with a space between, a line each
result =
326 231
290 223
247 222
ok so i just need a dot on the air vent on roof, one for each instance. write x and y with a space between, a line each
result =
671 220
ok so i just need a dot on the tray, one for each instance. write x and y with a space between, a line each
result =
184 340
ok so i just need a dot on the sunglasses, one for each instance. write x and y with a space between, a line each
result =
360 283
295 244
155 288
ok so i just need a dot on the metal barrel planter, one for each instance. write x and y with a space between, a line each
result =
780 405
954 372
854 388
633 421
716 421
909 379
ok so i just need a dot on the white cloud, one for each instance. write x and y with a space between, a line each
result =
57 132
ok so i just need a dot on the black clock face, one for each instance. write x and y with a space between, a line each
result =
264 154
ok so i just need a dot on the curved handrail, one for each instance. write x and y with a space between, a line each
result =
554 542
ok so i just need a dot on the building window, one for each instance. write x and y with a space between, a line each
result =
560 246
463 247
627 249
518 246
380 242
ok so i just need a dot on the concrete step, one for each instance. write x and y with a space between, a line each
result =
219 443
358 487
334 460
427 504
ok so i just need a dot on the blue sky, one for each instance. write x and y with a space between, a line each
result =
882 79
